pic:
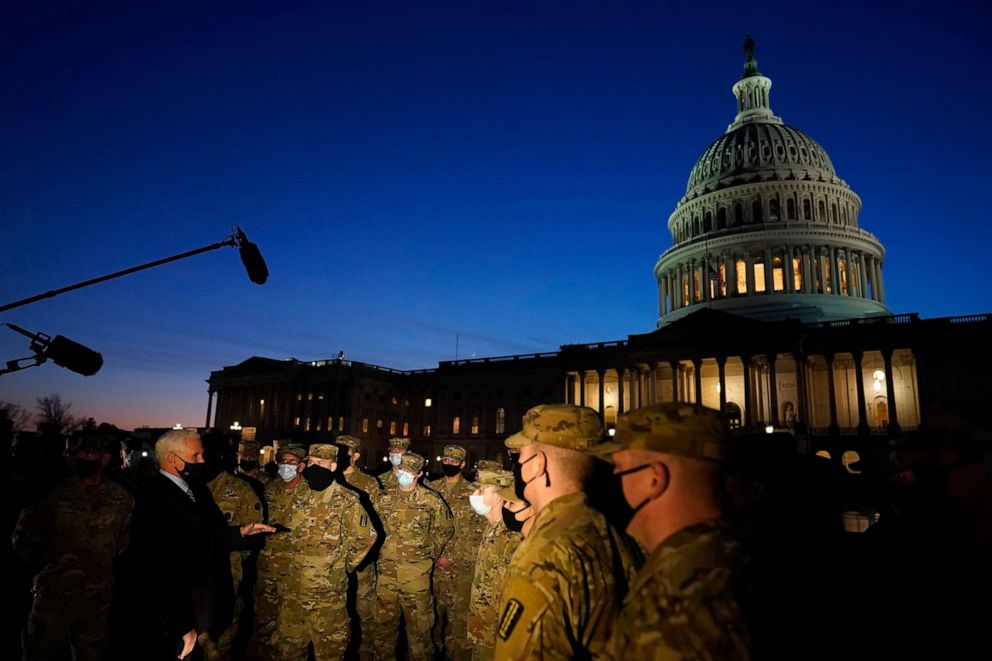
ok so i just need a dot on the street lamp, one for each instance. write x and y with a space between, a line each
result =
236 426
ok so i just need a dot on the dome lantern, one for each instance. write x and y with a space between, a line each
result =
752 91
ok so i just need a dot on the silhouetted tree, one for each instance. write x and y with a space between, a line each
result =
20 416
52 410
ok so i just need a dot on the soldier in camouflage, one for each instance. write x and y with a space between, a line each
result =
418 524
285 495
397 448
455 568
681 604
348 457
69 540
566 582
240 506
495 550
332 534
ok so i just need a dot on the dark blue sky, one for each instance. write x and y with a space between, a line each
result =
411 171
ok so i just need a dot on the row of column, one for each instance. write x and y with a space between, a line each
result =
641 383
688 283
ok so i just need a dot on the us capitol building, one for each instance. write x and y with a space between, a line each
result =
771 307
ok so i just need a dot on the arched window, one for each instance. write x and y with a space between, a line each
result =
833 213
695 225
759 275
807 210
707 221
773 211
790 207
778 274
610 415
822 211
756 215
740 268
721 218
500 420
732 414
738 214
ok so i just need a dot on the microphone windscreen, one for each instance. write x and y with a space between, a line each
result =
73 356
258 272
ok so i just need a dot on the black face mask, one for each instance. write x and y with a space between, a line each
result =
510 521
318 478
85 467
450 470
636 508
248 465
518 478
193 473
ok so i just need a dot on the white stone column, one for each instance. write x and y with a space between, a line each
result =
790 281
834 272
862 276
870 266
849 262
692 281
881 287
704 277
769 284
749 265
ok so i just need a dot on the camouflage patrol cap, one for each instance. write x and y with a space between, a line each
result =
486 477
294 450
397 443
562 425
323 451
349 442
455 452
689 430
412 462
516 441
247 448
489 464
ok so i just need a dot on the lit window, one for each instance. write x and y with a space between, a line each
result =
395 400
723 280
378 423
406 429
341 423
759 276
696 280
299 397
741 268
427 403
330 423
306 425
778 274
427 431
296 421
318 426
456 425
797 274
500 421
309 395
365 425
392 428
320 396
842 272
475 424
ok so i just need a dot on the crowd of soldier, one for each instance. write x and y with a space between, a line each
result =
520 563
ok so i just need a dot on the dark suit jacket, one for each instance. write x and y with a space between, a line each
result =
181 550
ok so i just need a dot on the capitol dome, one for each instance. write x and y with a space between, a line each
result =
766 228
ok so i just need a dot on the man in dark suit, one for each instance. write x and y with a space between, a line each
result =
182 545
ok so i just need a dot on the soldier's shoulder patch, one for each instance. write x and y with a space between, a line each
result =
508 620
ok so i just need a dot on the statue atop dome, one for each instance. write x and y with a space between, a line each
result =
750 64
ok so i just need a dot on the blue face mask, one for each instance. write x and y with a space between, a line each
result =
287 472
395 458
405 479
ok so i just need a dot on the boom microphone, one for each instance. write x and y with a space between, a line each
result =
73 356
258 272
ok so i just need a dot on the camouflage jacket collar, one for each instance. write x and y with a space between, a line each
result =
701 546
553 510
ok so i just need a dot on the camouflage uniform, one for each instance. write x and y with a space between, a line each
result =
680 605
332 534
493 558
70 538
366 577
418 524
453 586
567 579
274 561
